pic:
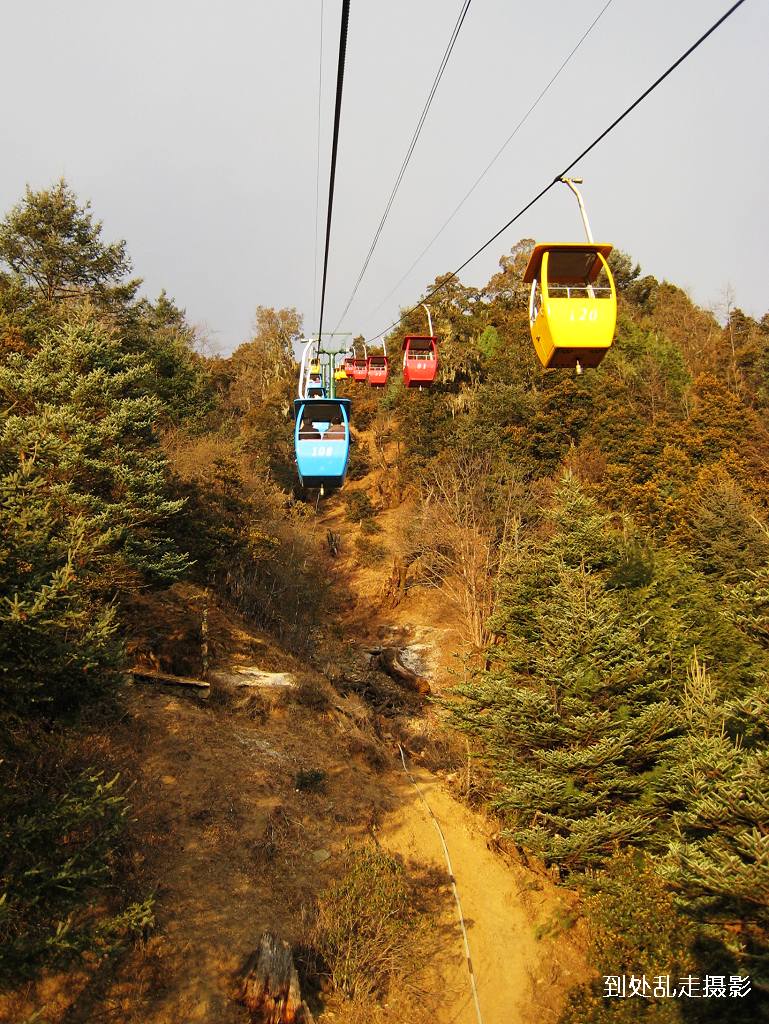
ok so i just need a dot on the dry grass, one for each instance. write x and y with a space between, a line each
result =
374 934
313 692
433 745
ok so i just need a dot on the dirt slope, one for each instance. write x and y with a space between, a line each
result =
505 907
231 846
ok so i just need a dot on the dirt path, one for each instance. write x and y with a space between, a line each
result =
525 955
503 906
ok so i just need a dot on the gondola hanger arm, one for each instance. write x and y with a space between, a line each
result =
572 183
426 308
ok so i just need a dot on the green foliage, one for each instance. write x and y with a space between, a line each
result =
582 710
54 246
622 269
82 484
635 930
724 528
748 605
59 635
59 851
81 418
581 695
359 506
178 377
489 342
714 788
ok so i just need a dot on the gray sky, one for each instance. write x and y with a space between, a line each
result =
192 128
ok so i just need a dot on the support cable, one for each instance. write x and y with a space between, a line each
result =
334 148
496 156
556 180
317 168
409 152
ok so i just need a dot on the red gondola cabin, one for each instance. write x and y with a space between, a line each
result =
378 371
359 369
348 366
420 360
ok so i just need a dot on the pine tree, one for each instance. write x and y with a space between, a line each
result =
575 714
714 787
83 507
55 247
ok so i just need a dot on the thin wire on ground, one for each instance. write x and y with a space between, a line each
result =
452 879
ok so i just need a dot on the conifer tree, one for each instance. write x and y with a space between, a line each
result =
54 246
714 786
576 715
84 503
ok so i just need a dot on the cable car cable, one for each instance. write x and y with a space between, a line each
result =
334 148
317 168
496 156
409 152
556 180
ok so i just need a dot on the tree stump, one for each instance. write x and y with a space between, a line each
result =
270 989
395 589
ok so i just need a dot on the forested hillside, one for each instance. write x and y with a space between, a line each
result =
620 557
602 539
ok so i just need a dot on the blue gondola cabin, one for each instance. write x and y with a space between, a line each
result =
322 440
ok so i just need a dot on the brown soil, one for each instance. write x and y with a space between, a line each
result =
231 847
505 906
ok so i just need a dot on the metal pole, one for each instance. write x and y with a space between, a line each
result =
301 391
571 183
429 318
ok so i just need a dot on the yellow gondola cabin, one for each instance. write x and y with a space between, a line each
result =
573 303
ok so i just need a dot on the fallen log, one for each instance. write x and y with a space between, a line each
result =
238 676
270 990
388 659
168 679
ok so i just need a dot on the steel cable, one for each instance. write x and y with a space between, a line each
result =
496 156
317 169
334 148
565 171
409 152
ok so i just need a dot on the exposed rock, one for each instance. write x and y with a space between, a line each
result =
390 661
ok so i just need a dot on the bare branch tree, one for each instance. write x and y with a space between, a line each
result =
470 519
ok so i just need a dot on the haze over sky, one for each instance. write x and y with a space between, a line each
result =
192 128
